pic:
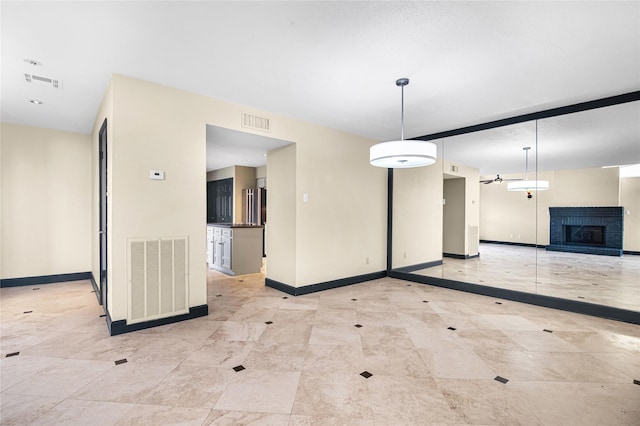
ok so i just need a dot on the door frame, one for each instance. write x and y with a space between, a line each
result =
102 226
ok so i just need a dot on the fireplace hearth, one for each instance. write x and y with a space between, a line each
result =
591 230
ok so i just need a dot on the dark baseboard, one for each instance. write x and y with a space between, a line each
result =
299 291
509 243
121 327
419 266
585 308
460 256
45 279
631 252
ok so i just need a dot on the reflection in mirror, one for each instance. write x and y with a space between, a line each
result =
592 213
417 216
586 158
487 211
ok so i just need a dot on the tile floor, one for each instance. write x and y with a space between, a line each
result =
605 280
434 357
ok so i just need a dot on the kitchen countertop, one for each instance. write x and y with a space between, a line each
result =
235 225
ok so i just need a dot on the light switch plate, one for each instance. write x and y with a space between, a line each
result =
156 174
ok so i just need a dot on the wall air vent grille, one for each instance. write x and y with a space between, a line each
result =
42 81
474 240
252 121
158 277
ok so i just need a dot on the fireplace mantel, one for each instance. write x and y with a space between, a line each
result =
586 224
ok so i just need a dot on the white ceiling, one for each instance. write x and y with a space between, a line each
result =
602 137
330 63
227 147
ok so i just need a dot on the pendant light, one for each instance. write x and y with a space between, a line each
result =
528 185
402 153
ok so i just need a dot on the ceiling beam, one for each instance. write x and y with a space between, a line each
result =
553 112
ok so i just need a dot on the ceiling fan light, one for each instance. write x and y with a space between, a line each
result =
402 154
528 185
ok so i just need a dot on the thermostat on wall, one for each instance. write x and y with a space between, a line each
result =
156 174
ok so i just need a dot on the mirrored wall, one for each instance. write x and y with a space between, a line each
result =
488 235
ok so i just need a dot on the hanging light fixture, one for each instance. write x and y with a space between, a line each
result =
402 153
528 185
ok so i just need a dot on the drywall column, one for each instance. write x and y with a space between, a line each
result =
417 215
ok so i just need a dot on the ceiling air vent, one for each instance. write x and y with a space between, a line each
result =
43 81
255 122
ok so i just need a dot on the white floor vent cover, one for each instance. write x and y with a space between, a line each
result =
474 240
157 273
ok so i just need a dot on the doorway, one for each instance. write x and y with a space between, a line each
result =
453 217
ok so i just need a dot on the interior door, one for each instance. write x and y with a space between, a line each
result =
103 213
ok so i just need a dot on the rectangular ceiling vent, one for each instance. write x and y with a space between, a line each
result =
43 81
252 121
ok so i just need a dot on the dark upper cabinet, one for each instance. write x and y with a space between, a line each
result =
220 201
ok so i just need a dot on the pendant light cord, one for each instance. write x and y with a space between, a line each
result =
402 82
402 114
526 150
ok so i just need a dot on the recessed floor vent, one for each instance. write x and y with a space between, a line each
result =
43 81
252 121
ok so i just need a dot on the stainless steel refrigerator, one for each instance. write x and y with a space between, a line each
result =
255 211
255 206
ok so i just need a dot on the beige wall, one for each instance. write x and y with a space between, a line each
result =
344 221
510 216
152 129
630 200
417 215
157 127
45 202
281 215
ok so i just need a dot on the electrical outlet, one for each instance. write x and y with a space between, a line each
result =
366 260
405 254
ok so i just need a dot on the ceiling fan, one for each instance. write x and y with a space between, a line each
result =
498 180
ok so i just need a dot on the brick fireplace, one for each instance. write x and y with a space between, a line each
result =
591 230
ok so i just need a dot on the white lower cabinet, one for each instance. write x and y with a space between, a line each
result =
210 246
235 250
